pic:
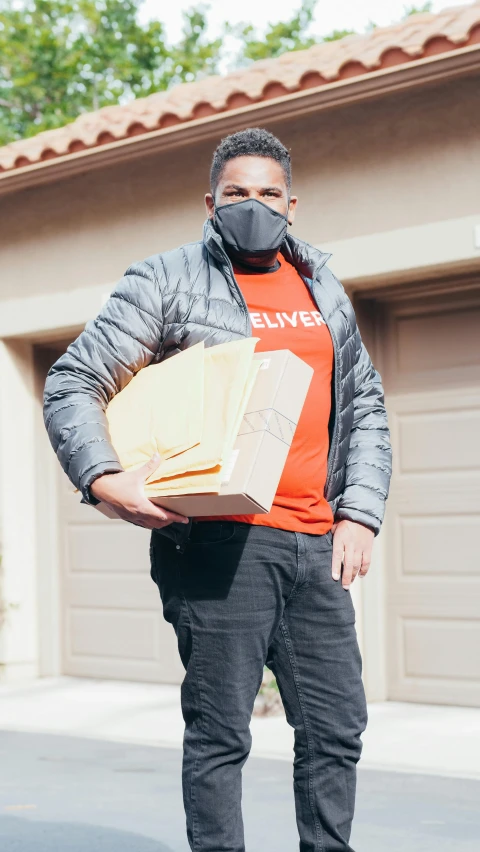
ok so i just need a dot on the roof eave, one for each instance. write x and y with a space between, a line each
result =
456 64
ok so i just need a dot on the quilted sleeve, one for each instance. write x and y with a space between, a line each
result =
124 337
369 460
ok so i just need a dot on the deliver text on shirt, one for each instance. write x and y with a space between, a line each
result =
287 320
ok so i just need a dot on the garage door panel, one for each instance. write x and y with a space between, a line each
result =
432 392
113 624
430 494
439 441
430 545
113 633
434 691
141 671
443 648
443 599
437 340
99 547
122 645
125 591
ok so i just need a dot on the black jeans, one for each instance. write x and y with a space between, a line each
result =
239 597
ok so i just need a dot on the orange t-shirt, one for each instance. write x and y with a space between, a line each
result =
285 316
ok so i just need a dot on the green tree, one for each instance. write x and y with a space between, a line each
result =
335 35
59 58
282 36
279 38
194 56
417 10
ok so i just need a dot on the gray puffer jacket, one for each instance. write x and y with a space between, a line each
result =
172 301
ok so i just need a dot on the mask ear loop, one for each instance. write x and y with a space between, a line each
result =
289 224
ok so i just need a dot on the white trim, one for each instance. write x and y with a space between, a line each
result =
19 635
400 255
39 316
373 612
47 522
407 253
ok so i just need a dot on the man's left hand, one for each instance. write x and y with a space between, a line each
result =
352 546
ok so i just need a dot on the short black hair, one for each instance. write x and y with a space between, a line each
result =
253 142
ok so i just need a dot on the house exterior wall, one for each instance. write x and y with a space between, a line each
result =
381 180
396 163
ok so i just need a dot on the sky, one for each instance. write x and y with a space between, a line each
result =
330 15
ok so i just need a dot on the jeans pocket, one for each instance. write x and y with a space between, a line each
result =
153 573
211 532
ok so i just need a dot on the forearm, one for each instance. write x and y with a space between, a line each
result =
123 339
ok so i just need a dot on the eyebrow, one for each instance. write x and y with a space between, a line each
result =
244 188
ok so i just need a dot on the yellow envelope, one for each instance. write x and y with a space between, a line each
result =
230 373
160 410
206 480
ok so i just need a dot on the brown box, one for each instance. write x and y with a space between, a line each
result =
253 472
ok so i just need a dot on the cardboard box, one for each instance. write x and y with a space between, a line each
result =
253 472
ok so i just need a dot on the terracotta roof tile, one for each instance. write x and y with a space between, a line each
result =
416 37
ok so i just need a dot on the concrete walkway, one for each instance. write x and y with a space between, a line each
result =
413 738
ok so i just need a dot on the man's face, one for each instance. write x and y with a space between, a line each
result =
253 177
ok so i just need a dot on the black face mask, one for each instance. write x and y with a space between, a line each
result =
250 228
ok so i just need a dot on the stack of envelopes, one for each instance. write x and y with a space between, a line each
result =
188 409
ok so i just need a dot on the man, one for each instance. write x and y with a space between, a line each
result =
266 589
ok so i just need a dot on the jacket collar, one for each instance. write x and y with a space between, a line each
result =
307 259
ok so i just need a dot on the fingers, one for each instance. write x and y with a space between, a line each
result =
365 565
348 565
352 546
156 517
150 516
173 517
357 564
150 467
352 562
337 557
143 517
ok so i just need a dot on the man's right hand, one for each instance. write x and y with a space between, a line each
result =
125 494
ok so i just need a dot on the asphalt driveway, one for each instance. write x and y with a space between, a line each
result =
83 795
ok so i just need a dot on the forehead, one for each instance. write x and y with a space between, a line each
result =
253 172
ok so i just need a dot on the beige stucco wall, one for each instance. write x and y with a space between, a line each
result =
392 164
372 180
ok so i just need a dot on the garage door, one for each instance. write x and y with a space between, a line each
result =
113 626
431 370
111 619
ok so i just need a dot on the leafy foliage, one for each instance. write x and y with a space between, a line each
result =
59 58
280 37
283 36
335 35
418 10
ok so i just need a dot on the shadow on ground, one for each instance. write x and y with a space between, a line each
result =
27 835
81 795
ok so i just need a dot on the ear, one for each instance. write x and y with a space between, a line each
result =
210 205
292 209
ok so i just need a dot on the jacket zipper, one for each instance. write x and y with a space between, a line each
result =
248 324
336 384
